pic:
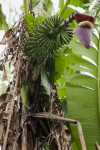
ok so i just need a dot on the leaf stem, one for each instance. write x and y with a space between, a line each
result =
25 2
64 8
99 75
30 5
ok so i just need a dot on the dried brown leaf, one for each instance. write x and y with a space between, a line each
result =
13 59
37 144
30 140
2 64
1 129
15 145
62 135
3 41
24 138
3 99
4 74
1 67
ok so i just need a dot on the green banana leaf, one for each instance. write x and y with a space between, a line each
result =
83 92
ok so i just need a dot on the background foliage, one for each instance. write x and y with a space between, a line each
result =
74 70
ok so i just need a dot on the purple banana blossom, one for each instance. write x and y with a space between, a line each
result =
84 28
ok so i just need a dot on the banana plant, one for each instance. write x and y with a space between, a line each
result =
83 90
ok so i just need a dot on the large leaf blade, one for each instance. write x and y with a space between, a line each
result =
86 112
82 92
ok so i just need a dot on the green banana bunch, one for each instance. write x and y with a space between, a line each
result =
45 40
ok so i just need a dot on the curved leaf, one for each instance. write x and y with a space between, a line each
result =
82 92
82 80
79 49
45 81
75 59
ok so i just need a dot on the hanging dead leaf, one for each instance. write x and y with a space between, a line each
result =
3 98
3 41
15 146
4 74
1 67
1 129
1 64
24 138
37 144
